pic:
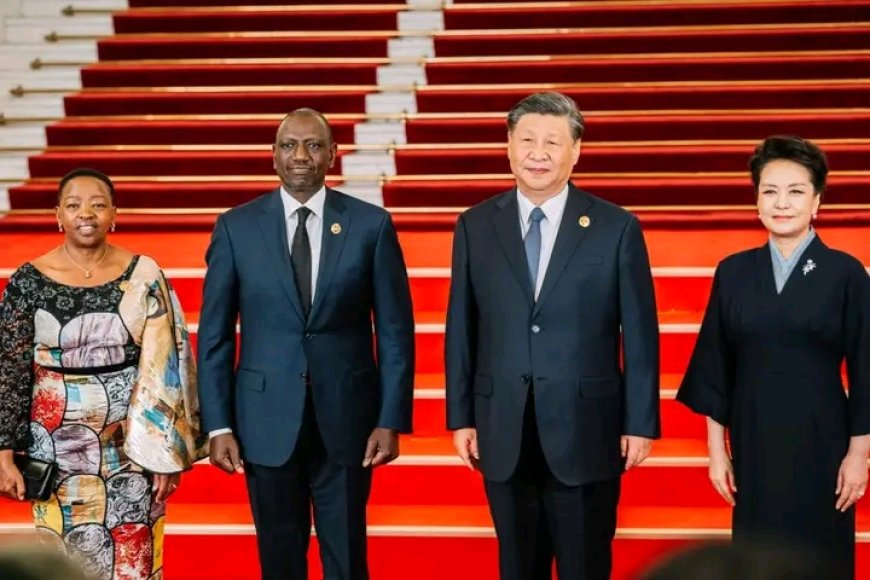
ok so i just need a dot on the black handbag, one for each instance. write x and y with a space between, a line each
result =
39 476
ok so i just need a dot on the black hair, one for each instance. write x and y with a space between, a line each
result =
805 153
86 172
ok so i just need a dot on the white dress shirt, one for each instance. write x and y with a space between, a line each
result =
314 225
553 209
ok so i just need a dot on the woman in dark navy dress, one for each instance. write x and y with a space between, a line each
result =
781 320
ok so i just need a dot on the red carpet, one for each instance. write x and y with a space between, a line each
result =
722 95
227 46
156 75
159 163
548 69
701 125
641 127
440 99
629 159
437 192
593 14
641 69
687 190
671 148
179 103
642 158
198 3
657 40
232 19
178 132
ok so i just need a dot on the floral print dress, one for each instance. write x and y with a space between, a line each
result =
100 380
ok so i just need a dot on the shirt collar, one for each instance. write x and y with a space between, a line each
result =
315 204
552 208
783 262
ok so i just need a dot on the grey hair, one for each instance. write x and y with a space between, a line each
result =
549 103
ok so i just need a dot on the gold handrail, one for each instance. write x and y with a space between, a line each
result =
252 117
391 147
39 63
195 211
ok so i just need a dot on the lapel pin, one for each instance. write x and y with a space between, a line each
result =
584 221
809 267
336 228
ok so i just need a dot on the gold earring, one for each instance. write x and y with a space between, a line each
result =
113 227
60 227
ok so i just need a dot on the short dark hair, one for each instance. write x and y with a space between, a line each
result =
309 112
805 153
86 172
548 103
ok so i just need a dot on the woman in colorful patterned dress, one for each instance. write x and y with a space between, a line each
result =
96 374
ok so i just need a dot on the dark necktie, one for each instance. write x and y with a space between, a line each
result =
533 244
300 255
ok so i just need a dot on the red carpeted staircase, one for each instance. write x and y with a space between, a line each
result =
182 108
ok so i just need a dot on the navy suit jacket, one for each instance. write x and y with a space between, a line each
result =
597 295
357 385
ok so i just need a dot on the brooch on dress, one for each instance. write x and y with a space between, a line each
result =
809 267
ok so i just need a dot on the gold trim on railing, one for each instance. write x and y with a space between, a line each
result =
625 176
391 147
320 8
20 91
248 89
422 61
608 3
5 119
195 211
639 30
72 10
633 30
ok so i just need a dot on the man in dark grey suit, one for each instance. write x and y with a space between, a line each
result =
312 404
547 282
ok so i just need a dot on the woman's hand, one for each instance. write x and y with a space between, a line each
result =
11 480
851 480
165 485
721 470
722 475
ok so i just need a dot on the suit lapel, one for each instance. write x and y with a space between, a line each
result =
568 237
506 221
334 214
273 226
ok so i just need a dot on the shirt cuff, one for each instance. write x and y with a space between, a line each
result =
217 432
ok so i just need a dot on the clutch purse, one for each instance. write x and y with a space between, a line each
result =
39 476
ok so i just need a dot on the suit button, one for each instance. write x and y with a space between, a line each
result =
304 377
526 379
536 329
309 336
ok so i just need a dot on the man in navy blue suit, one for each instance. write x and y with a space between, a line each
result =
313 403
548 282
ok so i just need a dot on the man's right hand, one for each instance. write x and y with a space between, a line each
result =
11 480
465 441
223 452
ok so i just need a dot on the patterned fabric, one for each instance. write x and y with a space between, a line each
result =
100 380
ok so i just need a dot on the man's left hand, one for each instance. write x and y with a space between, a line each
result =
382 447
635 450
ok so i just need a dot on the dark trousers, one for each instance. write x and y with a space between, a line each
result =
538 518
282 499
